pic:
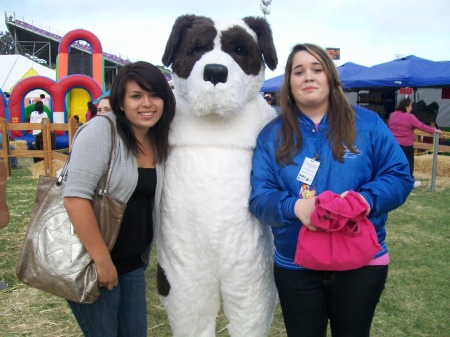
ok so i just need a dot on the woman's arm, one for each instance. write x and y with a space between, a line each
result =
270 202
85 224
88 163
391 180
421 126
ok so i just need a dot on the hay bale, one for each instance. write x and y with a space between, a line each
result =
38 169
19 145
424 164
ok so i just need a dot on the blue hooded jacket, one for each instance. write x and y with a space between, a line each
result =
379 172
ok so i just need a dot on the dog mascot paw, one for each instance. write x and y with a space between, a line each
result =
211 250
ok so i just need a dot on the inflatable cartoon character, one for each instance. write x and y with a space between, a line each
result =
211 250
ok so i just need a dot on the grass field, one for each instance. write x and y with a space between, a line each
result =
414 304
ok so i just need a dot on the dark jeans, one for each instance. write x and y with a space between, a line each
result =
348 299
121 312
409 153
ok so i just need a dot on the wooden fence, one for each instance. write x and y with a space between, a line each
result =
420 145
46 153
420 142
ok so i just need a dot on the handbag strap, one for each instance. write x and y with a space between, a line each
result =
107 176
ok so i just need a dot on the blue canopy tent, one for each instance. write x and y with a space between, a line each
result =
347 70
397 73
438 75
272 84
344 71
377 87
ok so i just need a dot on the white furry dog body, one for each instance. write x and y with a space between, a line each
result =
210 247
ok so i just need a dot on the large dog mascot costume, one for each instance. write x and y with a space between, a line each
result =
210 247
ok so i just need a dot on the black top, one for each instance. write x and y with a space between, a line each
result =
136 231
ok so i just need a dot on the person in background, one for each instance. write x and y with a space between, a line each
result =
45 100
77 118
36 116
5 215
103 106
268 98
272 101
92 111
321 143
275 103
402 124
143 109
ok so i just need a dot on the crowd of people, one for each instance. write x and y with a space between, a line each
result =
42 106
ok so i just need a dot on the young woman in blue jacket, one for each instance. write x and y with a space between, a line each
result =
322 143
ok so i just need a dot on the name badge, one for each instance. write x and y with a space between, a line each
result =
308 171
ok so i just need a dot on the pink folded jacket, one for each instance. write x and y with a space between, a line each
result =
332 212
345 239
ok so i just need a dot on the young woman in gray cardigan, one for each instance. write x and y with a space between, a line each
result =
143 107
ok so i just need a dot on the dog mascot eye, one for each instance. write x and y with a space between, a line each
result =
198 48
240 50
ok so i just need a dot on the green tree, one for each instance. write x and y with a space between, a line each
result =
6 44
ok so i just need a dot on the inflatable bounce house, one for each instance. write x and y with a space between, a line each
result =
69 94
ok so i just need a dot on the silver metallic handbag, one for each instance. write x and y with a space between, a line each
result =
53 258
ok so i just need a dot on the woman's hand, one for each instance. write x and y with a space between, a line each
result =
343 194
107 274
438 131
303 209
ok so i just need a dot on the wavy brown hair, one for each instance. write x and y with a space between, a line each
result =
341 117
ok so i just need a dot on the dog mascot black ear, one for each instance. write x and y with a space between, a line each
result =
265 40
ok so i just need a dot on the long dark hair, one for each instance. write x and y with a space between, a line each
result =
403 104
39 107
342 131
151 79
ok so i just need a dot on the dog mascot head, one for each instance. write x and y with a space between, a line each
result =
218 67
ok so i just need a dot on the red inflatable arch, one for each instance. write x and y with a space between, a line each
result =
97 54
57 90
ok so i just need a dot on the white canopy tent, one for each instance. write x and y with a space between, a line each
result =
14 68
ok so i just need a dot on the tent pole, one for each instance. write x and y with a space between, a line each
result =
435 157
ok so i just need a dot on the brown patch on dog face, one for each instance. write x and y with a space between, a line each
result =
243 49
195 40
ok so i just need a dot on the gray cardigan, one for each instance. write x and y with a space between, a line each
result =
89 161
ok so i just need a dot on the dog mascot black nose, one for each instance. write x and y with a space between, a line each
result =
215 73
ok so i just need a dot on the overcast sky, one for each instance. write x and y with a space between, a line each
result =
367 32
